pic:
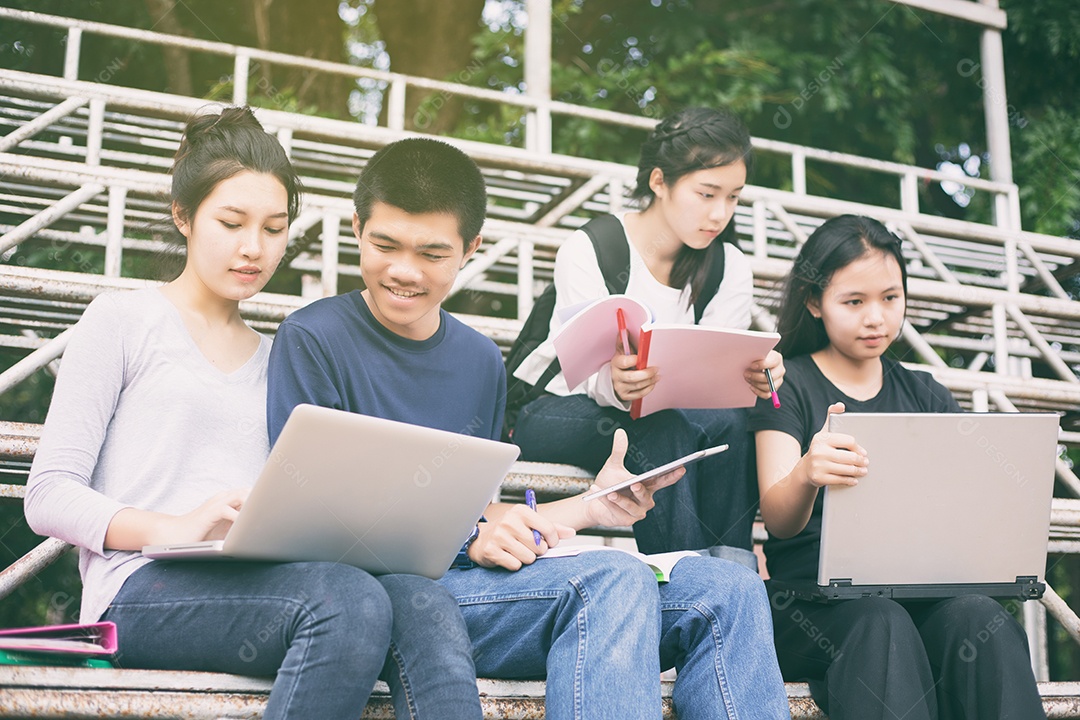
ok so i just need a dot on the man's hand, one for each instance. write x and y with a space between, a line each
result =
508 542
627 506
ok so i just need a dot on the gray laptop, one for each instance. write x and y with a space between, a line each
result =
384 496
952 504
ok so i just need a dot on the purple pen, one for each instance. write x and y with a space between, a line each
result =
530 500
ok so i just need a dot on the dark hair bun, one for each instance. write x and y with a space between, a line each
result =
218 145
211 126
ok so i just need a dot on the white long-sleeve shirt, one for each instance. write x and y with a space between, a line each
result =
578 279
139 418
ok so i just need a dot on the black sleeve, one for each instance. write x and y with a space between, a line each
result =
797 402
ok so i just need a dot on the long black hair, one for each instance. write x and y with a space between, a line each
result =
837 243
693 139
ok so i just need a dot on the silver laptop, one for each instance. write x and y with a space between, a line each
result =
384 496
952 504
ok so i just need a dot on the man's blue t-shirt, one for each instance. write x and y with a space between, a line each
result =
334 353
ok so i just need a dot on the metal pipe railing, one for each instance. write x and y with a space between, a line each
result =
41 122
30 565
34 361
48 216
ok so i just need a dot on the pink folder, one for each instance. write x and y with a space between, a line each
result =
92 639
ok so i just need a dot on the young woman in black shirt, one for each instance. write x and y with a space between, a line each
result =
963 657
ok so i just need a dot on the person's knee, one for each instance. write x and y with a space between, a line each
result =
722 589
420 604
346 597
725 579
732 425
972 612
614 577
976 622
613 599
744 580
881 622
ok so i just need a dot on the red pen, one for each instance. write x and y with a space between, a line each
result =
622 331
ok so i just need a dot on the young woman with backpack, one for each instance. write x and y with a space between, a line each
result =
692 170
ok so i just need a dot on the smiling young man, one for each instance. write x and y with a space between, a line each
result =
596 625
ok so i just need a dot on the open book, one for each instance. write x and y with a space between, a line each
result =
661 563
700 366
96 639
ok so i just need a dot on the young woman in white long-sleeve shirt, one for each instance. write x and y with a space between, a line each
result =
157 429
692 170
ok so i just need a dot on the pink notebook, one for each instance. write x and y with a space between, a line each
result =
92 639
700 367
586 342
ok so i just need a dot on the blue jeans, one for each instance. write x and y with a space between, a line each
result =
324 629
713 504
593 625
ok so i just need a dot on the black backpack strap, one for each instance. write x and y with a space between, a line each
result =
712 280
613 257
612 251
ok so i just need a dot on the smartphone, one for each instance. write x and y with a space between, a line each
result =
658 471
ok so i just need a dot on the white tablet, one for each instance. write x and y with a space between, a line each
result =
658 471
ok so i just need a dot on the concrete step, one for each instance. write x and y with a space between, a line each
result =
52 692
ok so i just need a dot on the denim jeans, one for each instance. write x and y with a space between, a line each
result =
324 629
713 504
593 625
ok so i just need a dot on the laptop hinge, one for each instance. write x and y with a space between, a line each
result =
1030 587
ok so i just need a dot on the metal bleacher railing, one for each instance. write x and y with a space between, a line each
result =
83 165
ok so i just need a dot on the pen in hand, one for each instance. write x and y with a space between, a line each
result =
772 389
621 318
530 500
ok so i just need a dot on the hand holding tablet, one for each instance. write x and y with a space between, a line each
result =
657 471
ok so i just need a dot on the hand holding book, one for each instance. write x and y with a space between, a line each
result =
700 366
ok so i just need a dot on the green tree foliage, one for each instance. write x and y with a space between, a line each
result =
1042 52
311 28
865 77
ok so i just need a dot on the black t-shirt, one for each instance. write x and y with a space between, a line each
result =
805 398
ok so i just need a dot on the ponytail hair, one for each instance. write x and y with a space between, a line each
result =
837 243
693 139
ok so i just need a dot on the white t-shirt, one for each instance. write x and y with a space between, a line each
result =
139 418
578 279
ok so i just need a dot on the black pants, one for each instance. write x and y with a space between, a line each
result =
962 658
